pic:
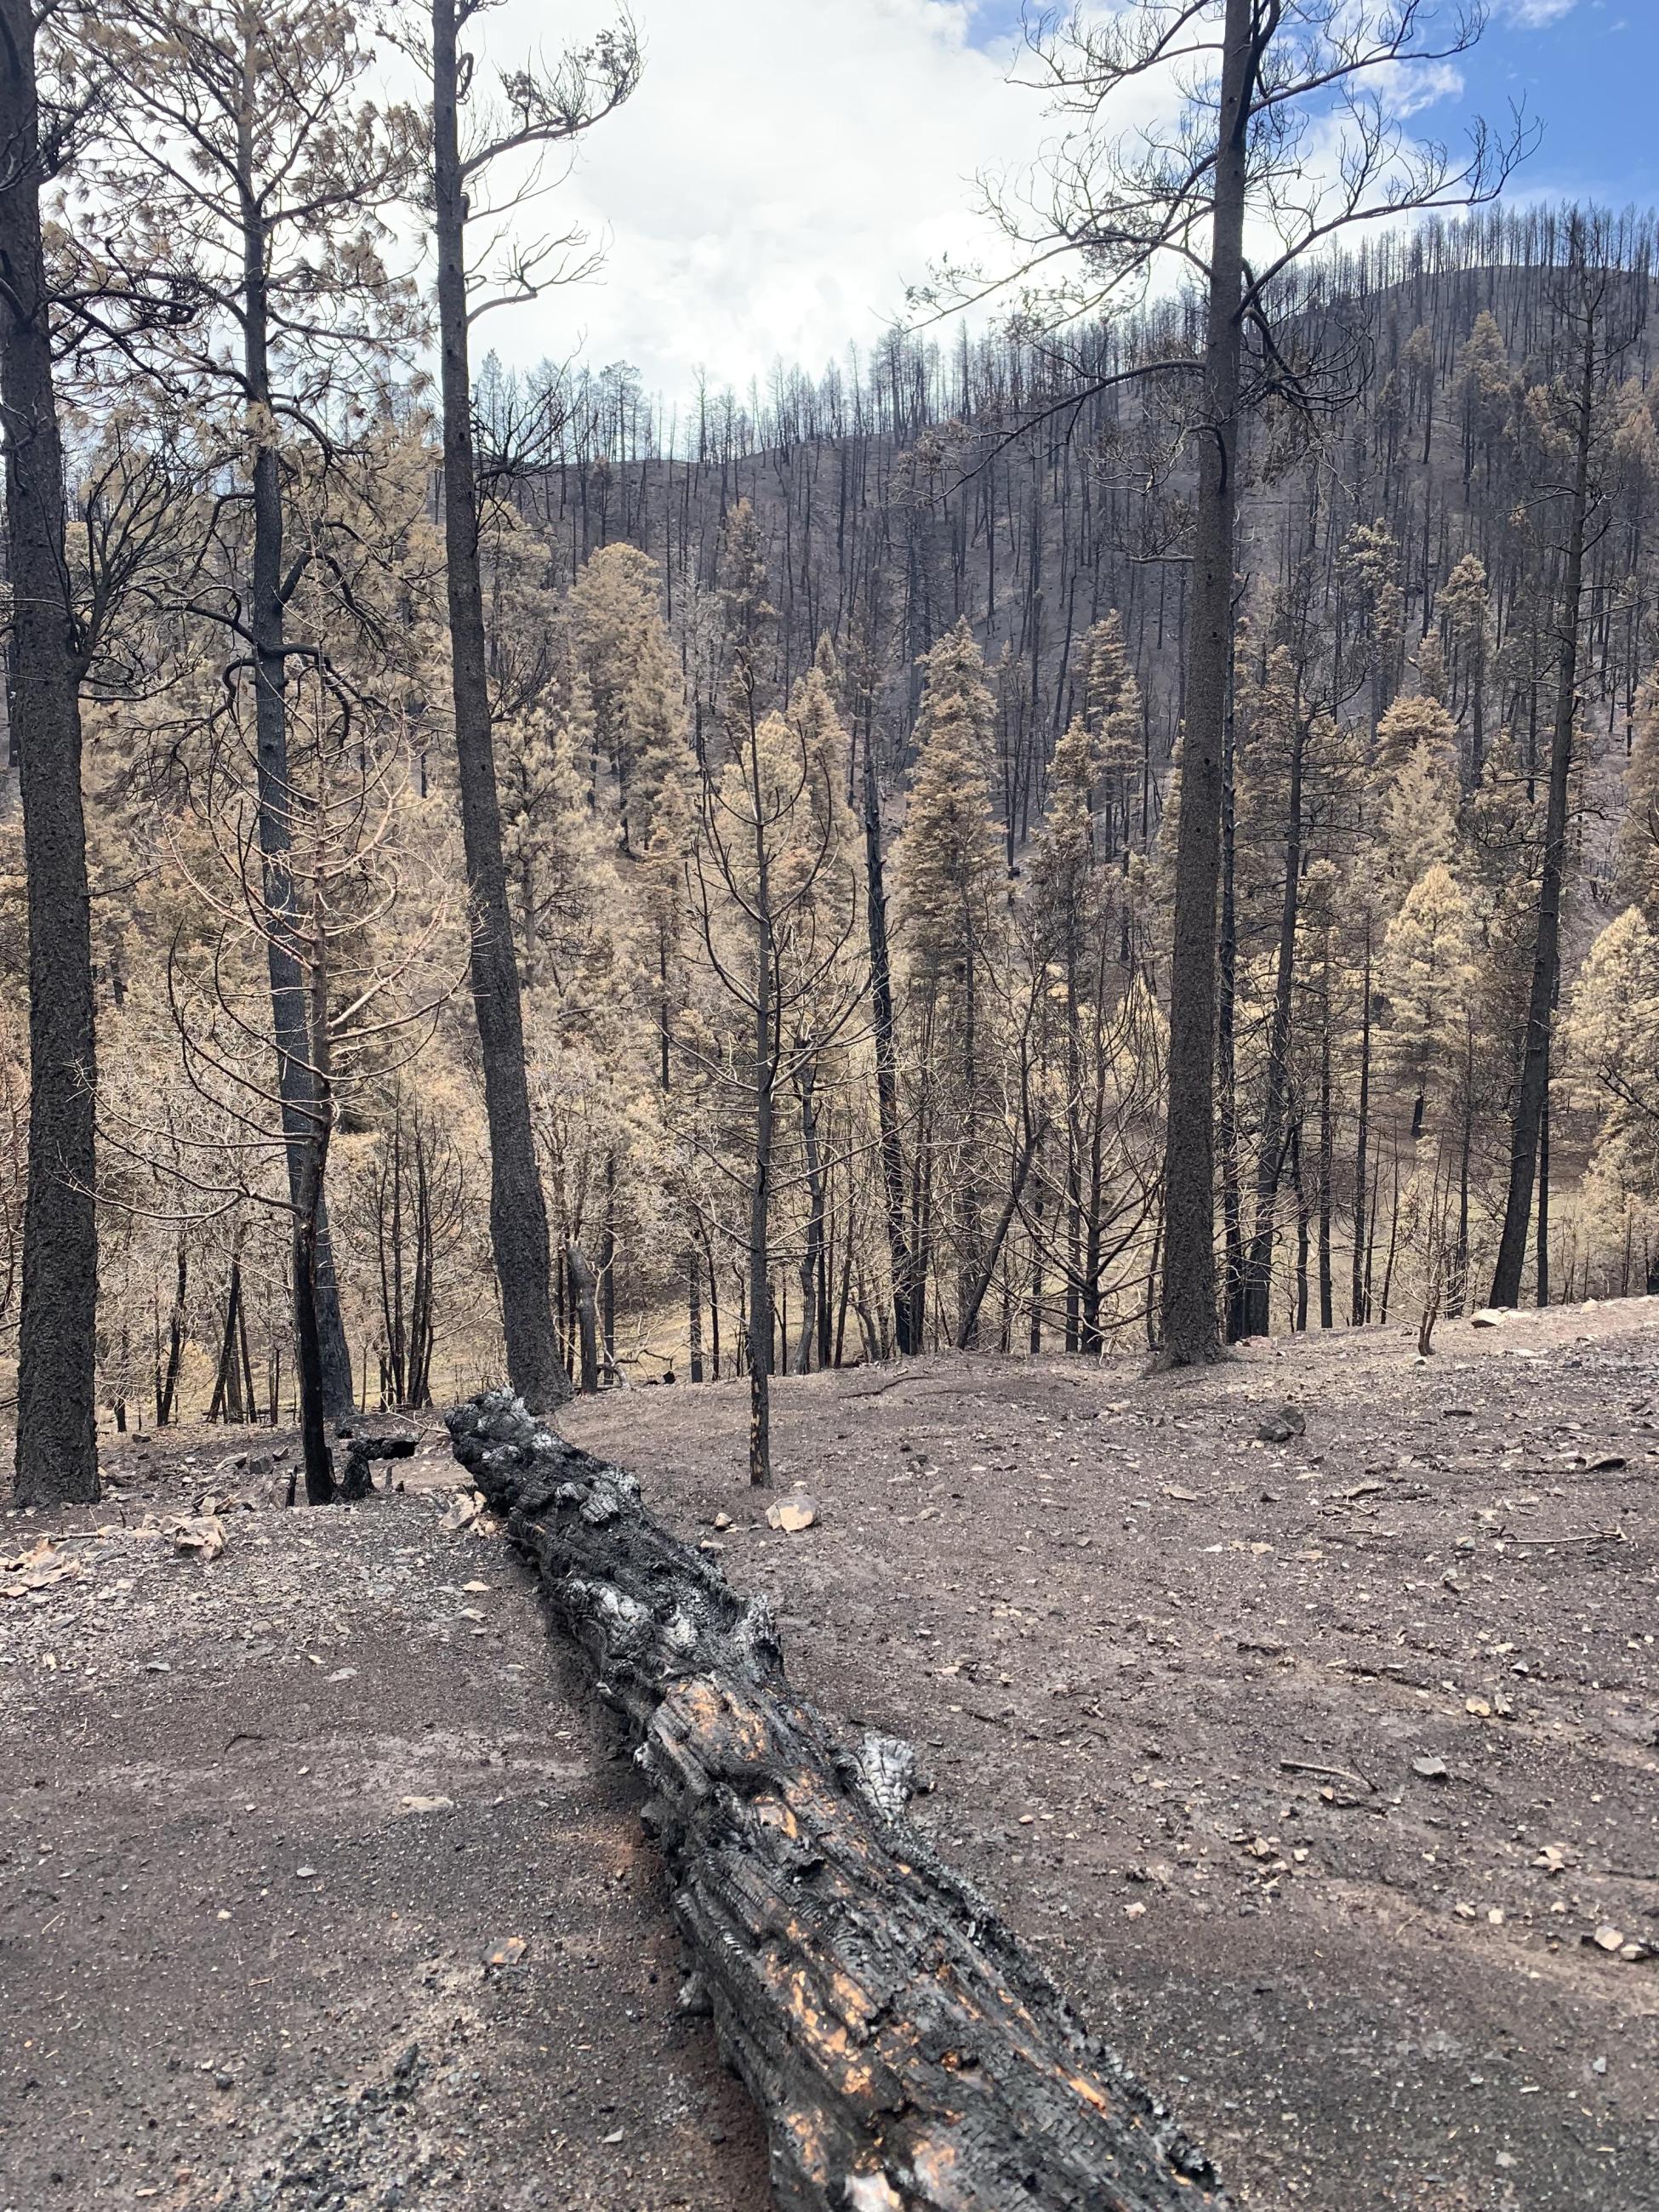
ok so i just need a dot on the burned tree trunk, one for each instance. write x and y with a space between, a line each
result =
905 2054
517 1209
56 1456
583 1289
357 1482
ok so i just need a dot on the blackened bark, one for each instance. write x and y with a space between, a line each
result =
760 1192
1189 1300
166 1392
811 1260
903 2051
694 1311
1359 1306
582 1291
1327 1145
907 1292
56 1458
1547 953
1259 1259
518 1212
305 1114
1232 1210
1543 1269
307 1345
226 1404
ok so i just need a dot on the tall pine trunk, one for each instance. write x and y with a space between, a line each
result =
1188 1304
1547 953
305 1131
518 1212
1270 1159
1360 1307
57 1430
907 1318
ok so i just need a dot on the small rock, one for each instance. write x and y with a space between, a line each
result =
1430 1769
1488 1317
793 1513
1281 1427
201 1537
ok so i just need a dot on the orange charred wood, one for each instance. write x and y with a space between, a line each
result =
905 2053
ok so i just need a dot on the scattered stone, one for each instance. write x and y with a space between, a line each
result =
791 1514
1279 1428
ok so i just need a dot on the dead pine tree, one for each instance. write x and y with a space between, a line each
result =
1253 85
489 159
1599 304
357 919
245 158
775 906
418 1214
57 1454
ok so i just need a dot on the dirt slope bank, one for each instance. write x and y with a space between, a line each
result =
1123 1627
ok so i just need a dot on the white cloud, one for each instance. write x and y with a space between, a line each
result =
785 169
1533 15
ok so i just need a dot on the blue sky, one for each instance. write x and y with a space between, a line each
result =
789 166
1589 69
1590 77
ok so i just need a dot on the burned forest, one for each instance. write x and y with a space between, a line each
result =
828 1180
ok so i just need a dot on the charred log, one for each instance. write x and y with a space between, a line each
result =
905 2053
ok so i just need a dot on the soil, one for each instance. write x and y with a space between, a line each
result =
267 1819
1300 1714
1313 1768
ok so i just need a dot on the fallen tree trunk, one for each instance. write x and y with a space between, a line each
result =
905 2053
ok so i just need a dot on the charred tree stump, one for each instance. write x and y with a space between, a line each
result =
358 1481
906 2055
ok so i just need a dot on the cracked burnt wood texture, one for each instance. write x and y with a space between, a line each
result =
903 2051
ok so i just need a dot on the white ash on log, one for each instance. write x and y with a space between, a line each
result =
905 2053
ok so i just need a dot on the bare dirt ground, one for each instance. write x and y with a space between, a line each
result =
1321 1772
265 1819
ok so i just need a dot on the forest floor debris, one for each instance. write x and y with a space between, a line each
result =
320 1886
1168 1684
1324 1801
